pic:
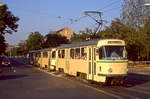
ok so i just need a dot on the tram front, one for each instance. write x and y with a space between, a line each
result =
112 60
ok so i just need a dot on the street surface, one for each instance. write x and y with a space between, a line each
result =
27 82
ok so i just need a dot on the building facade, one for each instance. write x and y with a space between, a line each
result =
68 33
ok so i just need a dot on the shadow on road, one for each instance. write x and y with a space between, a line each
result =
136 79
6 77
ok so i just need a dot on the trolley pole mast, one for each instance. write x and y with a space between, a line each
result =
97 19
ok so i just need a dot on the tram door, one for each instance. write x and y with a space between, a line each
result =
67 60
92 63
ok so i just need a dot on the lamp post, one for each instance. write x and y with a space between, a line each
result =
1 4
147 4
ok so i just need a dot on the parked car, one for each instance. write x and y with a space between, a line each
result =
5 62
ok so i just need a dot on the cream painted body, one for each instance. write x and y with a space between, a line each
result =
94 68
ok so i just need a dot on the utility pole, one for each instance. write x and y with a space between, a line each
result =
97 19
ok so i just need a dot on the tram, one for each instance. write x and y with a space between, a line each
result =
101 60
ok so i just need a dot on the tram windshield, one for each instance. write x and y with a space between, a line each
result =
112 52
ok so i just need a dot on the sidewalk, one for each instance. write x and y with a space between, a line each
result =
140 69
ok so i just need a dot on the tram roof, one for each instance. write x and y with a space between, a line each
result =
79 44
87 43
41 50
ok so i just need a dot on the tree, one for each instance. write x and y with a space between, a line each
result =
34 41
2 44
7 25
134 13
7 21
119 30
145 38
53 40
84 35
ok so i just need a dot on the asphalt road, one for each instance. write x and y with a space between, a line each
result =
27 82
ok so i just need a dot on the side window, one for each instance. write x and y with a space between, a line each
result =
63 53
54 54
59 54
39 54
72 53
101 53
77 53
45 54
89 53
94 53
83 53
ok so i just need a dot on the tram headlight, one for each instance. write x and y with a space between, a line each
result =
110 70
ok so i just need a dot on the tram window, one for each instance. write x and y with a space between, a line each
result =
39 55
54 54
72 53
89 53
94 53
94 68
83 53
45 54
59 54
63 53
77 53
100 53
89 67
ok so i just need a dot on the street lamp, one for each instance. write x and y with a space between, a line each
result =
1 4
147 4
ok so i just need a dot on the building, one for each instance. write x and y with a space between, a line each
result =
68 33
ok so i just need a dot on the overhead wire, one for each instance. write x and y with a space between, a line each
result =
112 3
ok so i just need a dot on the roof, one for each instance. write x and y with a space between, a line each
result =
41 50
87 43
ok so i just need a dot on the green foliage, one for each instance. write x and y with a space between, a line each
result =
34 41
144 36
53 40
84 35
134 13
119 30
2 44
137 41
7 21
7 25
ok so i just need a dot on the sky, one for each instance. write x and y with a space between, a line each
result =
52 15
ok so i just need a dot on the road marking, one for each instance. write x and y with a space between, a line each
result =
102 91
